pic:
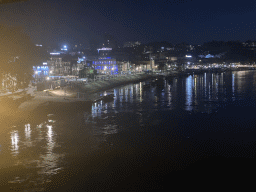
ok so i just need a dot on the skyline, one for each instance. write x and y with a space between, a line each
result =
55 23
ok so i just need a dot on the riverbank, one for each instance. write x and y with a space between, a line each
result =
86 92
89 90
13 108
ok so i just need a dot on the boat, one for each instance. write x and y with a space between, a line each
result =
109 97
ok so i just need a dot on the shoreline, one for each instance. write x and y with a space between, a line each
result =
91 92
45 103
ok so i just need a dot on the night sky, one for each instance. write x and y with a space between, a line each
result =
58 22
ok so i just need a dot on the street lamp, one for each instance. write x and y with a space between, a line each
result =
112 70
36 75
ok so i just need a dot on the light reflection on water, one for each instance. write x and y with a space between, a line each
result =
43 146
27 140
15 141
189 82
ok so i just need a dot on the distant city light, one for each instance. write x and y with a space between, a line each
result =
54 53
188 56
104 49
64 48
44 63
39 45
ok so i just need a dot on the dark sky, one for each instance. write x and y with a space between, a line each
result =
53 22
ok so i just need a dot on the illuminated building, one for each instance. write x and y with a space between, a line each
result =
105 65
124 66
59 67
41 72
81 64
104 51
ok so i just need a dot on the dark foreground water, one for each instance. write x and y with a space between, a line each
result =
184 131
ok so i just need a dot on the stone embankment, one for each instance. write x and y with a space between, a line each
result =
90 91
114 82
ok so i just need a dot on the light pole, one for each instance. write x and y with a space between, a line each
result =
36 75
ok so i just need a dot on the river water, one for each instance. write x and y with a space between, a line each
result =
134 141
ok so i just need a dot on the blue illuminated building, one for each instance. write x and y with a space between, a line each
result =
40 72
105 65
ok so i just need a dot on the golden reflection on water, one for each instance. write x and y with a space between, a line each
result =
27 131
15 142
49 159
44 158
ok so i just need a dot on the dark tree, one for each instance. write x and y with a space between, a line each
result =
18 55
87 72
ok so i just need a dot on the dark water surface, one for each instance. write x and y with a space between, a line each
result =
147 138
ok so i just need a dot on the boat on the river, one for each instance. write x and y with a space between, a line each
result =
108 98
